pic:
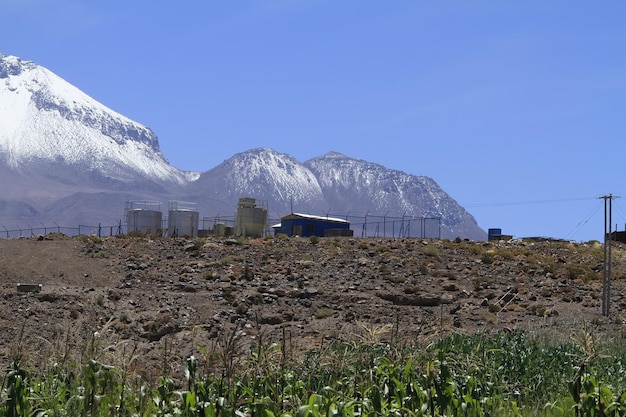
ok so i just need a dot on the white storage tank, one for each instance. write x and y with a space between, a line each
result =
251 218
144 217
182 219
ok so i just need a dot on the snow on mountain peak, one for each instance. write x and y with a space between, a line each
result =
51 128
384 190
12 65
268 169
43 117
334 155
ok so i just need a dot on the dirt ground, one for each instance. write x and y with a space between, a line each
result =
147 304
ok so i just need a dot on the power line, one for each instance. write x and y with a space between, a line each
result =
584 220
619 210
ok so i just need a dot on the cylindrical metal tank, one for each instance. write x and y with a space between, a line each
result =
144 221
182 223
251 220
182 219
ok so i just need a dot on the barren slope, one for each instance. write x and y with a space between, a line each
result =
159 299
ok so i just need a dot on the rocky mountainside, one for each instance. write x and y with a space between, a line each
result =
265 174
336 185
67 159
356 185
60 149
49 124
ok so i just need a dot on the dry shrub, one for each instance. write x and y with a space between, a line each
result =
324 312
505 253
432 250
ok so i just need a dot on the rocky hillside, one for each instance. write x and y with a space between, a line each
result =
158 300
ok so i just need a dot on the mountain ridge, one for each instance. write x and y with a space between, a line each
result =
64 156
119 147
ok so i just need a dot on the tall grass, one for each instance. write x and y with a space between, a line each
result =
503 374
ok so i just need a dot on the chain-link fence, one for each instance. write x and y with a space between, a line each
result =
362 226
43 229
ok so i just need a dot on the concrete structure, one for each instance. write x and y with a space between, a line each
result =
251 219
298 224
496 234
219 229
29 288
182 219
222 229
144 217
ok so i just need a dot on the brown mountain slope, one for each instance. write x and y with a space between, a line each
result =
150 303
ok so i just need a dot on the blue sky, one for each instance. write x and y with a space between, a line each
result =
515 108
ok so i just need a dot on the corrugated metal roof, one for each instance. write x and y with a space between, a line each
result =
312 217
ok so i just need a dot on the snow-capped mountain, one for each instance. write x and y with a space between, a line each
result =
48 123
353 183
333 183
67 159
266 174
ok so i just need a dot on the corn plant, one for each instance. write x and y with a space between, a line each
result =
16 391
472 376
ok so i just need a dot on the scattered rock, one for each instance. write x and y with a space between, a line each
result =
412 299
166 293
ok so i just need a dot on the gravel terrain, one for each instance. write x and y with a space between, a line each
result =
147 304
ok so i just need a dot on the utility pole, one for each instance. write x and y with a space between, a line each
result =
606 270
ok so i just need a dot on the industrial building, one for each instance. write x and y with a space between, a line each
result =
617 236
298 224
496 234
145 217
251 218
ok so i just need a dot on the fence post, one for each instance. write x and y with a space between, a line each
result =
364 231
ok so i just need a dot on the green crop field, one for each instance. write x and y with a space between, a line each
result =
502 374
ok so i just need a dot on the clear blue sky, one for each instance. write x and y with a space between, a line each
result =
517 109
